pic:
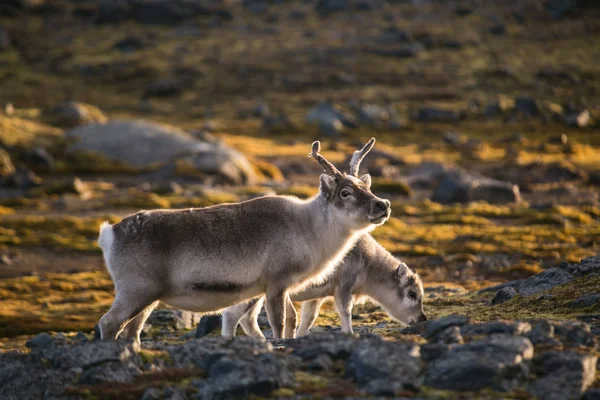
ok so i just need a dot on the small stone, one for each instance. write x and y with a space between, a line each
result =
207 324
450 335
151 394
498 29
40 160
39 341
543 335
587 300
504 295
527 106
438 325
165 87
322 363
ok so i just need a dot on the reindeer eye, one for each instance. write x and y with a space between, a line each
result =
345 193
412 295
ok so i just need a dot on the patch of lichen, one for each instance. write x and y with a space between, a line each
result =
19 131
55 302
139 199
397 188
552 304
55 232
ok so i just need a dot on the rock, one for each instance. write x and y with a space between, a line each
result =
165 87
527 106
335 345
497 362
431 351
21 178
40 160
450 335
385 368
587 300
279 123
327 113
430 114
578 119
129 44
543 281
174 319
504 295
458 186
438 325
592 394
393 35
498 29
405 51
575 334
39 341
322 363
543 335
261 110
372 114
563 375
72 113
560 8
490 328
4 39
158 145
207 324
151 394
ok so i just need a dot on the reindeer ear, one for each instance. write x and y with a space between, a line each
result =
327 185
366 178
401 273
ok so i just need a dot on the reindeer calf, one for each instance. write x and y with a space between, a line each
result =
368 270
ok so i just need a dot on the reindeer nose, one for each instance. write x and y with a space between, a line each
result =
381 206
422 317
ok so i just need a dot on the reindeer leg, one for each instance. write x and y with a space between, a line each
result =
249 321
310 312
276 306
343 303
134 328
291 319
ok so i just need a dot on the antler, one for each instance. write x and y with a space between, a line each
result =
358 156
327 166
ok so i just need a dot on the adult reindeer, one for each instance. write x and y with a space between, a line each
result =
206 259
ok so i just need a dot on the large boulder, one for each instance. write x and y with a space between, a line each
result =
459 186
145 145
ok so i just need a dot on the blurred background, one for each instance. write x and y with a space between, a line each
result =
485 114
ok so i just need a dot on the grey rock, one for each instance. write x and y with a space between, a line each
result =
490 328
165 87
151 394
587 300
385 368
527 106
240 375
563 375
592 394
560 8
496 362
322 363
157 145
129 44
503 295
207 324
70 114
429 114
438 325
372 114
334 345
174 319
543 281
575 334
458 186
431 351
4 39
450 335
543 335
40 160
39 341
328 113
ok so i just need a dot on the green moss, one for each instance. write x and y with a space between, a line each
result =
301 191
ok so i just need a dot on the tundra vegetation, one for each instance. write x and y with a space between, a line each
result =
486 115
